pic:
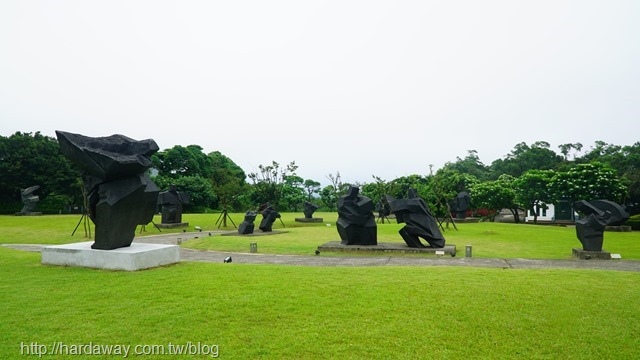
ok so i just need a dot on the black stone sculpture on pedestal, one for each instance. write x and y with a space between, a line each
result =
356 223
309 209
246 227
599 214
29 200
171 202
460 204
121 194
269 216
420 223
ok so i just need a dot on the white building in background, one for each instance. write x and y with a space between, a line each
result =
544 215
562 213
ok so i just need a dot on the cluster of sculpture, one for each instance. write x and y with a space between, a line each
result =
269 216
121 195
357 226
599 214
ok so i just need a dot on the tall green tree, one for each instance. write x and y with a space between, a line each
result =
293 193
311 187
626 161
268 182
532 190
444 185
181 161
200 190
471 165
495 196
229 183
588 182
28 159
329 194
524 157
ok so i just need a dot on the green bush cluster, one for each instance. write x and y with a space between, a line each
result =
634 222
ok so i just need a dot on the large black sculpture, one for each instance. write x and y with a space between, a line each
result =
599 214
309 209
460 204
356 223
121 195
269 216
420 223
171 202
29 200
246 227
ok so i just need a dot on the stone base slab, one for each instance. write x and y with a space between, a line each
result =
138 256
309 220
385 248
622 228
33 213
588 255
257 232
172 225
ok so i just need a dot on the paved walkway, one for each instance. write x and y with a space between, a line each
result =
320 260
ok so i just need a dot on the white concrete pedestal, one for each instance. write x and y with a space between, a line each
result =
135 257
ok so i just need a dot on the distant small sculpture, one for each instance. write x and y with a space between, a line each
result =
309 209
356 223
420 223
460 204
269 216
121 194
246 226
29 200
599 214
171 202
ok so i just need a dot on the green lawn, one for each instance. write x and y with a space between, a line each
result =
492 240
300 312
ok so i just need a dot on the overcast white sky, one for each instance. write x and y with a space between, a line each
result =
362 88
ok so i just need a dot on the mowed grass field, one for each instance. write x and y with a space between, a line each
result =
303 312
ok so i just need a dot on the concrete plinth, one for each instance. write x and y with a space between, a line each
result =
172 225
386 248
135 257
308 220
588 255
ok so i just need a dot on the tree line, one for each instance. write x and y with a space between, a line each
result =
529 177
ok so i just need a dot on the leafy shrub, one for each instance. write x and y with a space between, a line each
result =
634 222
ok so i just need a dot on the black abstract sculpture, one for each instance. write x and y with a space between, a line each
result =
269 216
599 214
309 209
420 223
29 200
121 195
356 223
246 226
171 202
460 204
